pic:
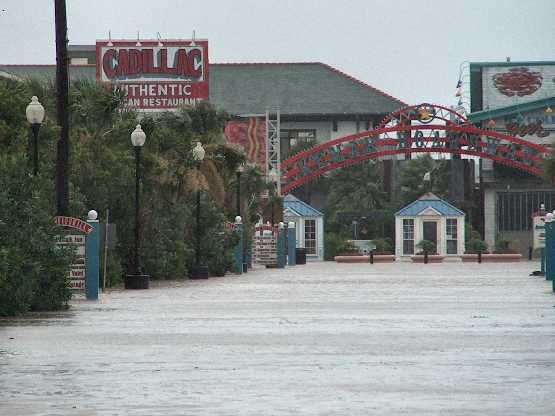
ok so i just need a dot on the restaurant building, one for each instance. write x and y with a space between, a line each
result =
515 98
308 100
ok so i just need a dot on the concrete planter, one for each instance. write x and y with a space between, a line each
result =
432 258
492 258
378 258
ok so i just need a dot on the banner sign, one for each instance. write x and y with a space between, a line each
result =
250 134
155 76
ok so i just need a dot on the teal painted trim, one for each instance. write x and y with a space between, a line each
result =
238 250
248 259
291 246
476 93
549 250
92 261
281 249
510 110
509 64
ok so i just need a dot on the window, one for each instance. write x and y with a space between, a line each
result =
408 237
451 231
295 137
515 209
310 236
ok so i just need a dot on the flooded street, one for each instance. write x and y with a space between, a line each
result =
320 339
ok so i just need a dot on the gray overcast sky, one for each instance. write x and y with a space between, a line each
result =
410 49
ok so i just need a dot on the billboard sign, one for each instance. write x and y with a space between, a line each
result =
155 76
514 84
250 135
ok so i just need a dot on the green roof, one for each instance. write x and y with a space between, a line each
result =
478 116
48 72
475 66
296 88
510 110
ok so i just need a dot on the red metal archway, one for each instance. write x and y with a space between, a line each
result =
424 128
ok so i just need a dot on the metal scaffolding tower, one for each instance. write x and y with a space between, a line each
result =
273 161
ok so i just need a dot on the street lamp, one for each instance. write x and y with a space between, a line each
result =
137 279
35 116
240 169
273 176
198 271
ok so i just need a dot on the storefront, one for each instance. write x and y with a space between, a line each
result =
515 98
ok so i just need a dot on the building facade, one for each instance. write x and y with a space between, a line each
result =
309 226
515 98
433 219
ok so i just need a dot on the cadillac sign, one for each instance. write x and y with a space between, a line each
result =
155 76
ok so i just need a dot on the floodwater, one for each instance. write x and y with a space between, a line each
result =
320 339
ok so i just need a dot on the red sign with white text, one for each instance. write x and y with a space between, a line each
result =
155 75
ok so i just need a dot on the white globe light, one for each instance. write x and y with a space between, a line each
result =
549 217
138 136
281 225
238 219
273 175
35 111
198 152
92 215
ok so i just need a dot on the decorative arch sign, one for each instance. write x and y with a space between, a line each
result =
425 128
77 240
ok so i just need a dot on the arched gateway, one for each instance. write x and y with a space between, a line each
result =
423 128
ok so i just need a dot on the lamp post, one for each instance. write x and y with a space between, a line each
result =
273 176
240 169
137 279
198 271
35 116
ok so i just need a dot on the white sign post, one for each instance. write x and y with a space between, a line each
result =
538 226
77 271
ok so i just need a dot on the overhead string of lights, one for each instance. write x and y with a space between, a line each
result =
463 84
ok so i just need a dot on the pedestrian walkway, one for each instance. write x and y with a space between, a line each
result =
319 339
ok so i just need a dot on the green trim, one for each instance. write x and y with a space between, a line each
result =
478 116
476 93
478 65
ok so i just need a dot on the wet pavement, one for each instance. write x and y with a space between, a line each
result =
320 339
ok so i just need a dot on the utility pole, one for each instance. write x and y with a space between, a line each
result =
62 107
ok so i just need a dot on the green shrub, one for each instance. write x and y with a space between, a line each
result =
383 245
337 244
476 245
426 246
502 245
33 270
220 256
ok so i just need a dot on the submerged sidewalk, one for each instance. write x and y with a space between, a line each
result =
319 339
